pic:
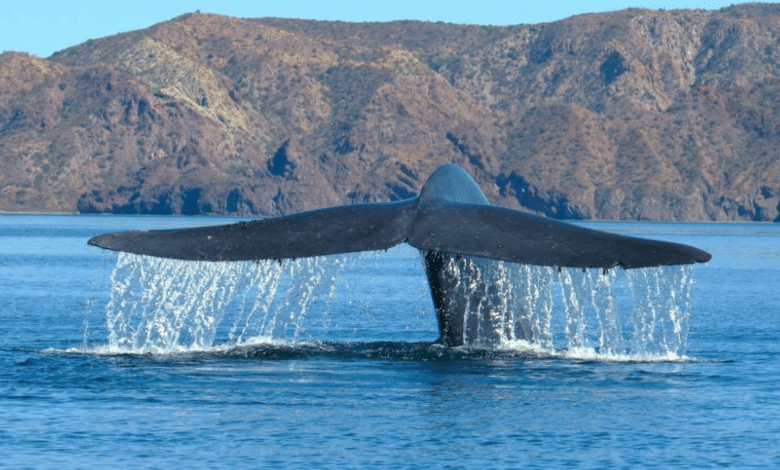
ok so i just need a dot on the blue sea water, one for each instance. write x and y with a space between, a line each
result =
104 364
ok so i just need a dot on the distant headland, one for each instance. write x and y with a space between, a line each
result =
636 114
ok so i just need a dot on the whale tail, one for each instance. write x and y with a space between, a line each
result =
449 220
428 224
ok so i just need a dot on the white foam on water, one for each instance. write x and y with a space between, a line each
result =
168 306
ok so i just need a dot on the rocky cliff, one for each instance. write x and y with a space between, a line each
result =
635 114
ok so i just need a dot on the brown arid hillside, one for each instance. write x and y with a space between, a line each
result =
637 114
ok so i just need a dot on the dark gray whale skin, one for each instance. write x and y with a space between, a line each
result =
449 220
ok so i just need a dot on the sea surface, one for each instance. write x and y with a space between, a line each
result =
118 361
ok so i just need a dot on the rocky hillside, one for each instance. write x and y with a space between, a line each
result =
636 114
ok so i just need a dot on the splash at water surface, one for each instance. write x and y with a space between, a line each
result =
164 306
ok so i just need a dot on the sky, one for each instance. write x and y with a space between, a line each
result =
41 27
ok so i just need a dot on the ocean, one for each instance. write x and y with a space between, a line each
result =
119 361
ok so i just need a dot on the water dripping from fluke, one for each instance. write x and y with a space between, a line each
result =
166 306
262 309
589 314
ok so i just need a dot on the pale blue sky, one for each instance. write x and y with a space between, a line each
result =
41 27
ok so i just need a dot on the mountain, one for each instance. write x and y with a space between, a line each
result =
636 114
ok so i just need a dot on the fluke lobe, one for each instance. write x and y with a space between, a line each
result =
450 221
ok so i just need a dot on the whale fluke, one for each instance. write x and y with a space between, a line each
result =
440 219
509 235
343 229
